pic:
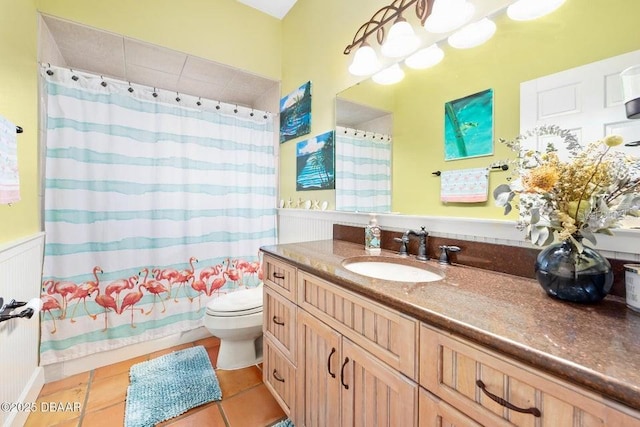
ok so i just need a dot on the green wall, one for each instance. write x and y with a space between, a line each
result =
581 31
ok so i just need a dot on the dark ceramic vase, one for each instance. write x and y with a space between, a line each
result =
567 274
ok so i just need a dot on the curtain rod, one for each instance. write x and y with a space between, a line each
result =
157 92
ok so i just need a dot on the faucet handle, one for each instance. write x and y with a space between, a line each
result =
444 253
403 244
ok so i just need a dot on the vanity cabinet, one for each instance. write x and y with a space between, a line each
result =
334 357
350 358
279 332
496 391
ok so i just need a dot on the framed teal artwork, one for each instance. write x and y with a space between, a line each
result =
295 113
315 163
468 126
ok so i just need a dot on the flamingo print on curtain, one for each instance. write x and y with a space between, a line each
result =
363 171
152 207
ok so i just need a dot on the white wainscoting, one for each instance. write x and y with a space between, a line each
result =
300 225
21 377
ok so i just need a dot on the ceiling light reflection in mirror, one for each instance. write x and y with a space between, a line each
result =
473 35
440 19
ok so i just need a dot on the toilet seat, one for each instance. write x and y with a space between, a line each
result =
238 303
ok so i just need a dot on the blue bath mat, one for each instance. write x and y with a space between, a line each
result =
284 423
170 385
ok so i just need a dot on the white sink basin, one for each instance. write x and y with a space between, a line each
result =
397 270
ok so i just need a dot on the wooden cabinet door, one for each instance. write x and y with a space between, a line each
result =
318 373
373 394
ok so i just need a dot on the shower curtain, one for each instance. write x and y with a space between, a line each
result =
363 171
153 205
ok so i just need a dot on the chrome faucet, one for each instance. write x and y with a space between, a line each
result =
422 236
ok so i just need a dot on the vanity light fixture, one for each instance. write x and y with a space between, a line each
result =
473 34
449 15
526 10
425 58
389 75
401 41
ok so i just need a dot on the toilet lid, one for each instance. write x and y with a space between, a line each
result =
238 303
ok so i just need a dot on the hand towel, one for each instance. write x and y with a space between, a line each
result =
9 183
464 185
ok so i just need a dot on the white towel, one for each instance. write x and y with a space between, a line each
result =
9 182
464 185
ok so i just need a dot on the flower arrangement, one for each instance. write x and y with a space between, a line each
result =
570 198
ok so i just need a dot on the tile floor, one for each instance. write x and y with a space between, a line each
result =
101 394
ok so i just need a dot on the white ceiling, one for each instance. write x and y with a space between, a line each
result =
82 48
275 8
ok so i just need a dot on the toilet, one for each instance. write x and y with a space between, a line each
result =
236 318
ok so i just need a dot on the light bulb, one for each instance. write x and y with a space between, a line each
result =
526 10
425 58
401 41
389 76
448 15
365 61
473 34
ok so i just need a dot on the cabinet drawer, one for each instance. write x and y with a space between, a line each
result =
384 332
279 376
465 375
280 322
435 412
281 277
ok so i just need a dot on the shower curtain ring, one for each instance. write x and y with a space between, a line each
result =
251 113
218 106
103 84
199 103
73 77
130 88
177 97
49 70
155 94
235 110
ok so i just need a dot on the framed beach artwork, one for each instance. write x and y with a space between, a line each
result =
468 126
315 163
295 113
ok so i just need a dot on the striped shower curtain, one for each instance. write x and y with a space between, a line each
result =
363 171
152 207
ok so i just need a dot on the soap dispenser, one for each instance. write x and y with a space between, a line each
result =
372 236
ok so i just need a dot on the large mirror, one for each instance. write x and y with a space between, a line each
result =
519 52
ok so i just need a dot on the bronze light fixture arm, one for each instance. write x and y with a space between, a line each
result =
385 15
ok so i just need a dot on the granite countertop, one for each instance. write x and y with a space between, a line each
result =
594 346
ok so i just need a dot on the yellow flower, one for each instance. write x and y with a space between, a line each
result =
541 179
612 140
